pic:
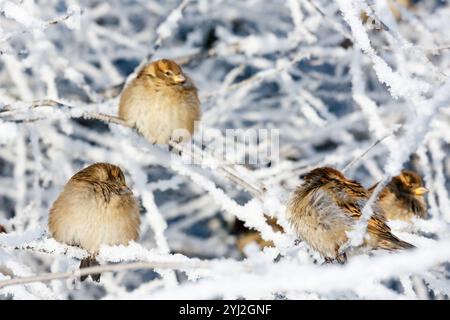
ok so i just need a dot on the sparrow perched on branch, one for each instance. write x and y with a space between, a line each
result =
95 208
161 103
326 206
402 198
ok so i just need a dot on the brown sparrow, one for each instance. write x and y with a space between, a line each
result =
246 236
161 103
402 198
95 208
326 206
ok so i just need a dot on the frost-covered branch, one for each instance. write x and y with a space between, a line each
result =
356 85
101 269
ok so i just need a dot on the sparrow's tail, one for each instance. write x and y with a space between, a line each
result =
90 262
394 243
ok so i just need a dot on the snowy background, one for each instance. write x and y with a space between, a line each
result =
333 86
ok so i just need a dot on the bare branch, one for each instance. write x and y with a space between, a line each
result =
361 156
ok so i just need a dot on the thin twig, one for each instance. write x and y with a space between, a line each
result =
158 43
330 20
107 268
9 111
213 52
354 161
44 26
229 172
257 77
73 252
183 4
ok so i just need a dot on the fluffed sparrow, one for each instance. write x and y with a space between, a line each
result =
161 103
402 198
326 206
95 208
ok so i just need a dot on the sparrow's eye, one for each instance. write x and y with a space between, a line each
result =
168 73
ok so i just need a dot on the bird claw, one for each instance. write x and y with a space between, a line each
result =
89 262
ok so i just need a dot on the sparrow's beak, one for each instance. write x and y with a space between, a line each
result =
179 78
125 190
420 191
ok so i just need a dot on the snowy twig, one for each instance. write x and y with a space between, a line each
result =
107 268
43 26
361 156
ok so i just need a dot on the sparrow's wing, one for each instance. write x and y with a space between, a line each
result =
353 200
352 197
383 236
377 225
380 233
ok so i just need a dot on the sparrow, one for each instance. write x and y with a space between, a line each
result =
95 208
246 236
326 206
161 103
402 198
